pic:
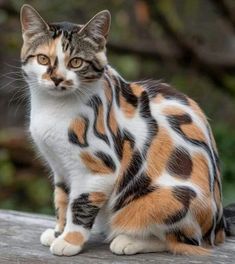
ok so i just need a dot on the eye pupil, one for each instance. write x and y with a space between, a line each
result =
43 59
75 63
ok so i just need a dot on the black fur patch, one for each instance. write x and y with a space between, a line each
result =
132 170
128 94
175 122
94 103
156 87
180 163
139 186
184 194
176 217
83 211
63 186
107 159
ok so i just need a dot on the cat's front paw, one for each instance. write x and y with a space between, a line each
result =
62 247
47 237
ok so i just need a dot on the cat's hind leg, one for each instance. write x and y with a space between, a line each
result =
127 245
177 247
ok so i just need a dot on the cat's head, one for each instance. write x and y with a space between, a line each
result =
61 58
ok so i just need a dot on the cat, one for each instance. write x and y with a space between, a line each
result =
139 158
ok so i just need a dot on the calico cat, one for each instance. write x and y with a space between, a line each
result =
138 157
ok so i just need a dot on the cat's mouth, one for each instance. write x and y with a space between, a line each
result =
60 90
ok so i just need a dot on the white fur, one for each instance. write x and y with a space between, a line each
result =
127 245
47 237
61 247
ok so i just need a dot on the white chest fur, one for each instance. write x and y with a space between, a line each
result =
50 119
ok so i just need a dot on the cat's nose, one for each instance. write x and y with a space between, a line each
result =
56 80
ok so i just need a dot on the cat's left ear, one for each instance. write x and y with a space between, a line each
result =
98 27
31 22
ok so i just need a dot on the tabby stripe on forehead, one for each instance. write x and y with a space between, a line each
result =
78 132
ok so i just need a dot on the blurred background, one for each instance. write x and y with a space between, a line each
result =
188 43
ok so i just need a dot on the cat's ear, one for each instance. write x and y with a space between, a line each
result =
98 27
31 22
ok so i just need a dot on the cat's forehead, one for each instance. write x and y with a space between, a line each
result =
67 35
67 28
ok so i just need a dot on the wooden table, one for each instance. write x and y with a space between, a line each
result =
19 243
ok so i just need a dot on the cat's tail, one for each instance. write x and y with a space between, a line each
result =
229 215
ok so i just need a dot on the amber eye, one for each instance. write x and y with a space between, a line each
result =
43 59
75 63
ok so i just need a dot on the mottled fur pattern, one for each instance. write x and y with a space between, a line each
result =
138 157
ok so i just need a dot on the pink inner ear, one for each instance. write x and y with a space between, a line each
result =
26 20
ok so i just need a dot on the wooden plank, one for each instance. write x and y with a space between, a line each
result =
19 244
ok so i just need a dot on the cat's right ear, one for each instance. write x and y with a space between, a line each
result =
31 22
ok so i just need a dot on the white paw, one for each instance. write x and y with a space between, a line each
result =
124 245
61 247
47 237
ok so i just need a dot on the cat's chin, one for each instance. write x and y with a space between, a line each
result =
59 91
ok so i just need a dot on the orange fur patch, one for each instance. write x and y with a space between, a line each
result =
158 99
79 128
200 174
97 198
158 153
61 203
202 211
113 122
99 124
126 159
74 238
141 213
193 132
136 89
107 91
94 164
173 110
202 208
128 109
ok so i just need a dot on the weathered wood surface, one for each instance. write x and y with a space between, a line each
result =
19 244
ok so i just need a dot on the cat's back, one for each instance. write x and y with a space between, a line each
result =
183 148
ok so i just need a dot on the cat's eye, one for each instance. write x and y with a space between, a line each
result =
43 59
75 63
